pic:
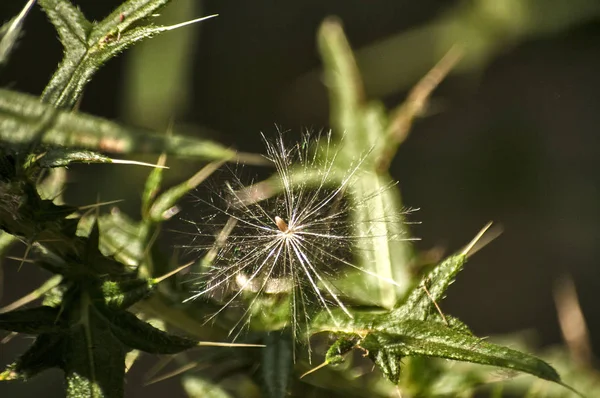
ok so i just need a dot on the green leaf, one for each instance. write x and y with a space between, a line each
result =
414 337
124 16
360 128
120 236
388 362
90 261
6 242
343 81
123 294
197 387
71 25
45 353
33 320
64 157
88 47
277 363
90 344
161 206
170 94
342 346
421 301
94 358
24 119
383 252
152 186
140 335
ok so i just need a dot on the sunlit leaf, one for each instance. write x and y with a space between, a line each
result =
413 337
25 120
88 46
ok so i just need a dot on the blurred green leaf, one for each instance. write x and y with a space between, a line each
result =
277 363
163 203
152 187
157 72
486 29
6 241
343 81
24 119
360 128
197 387
35 294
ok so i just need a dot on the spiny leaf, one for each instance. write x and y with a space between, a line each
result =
88 47
33 320
90 261
343 345
123 294
88 340
388 362
414 337
45 353
62 157
120 236
70 23
421 301
124 16
94 358
125 291
24 119
140 335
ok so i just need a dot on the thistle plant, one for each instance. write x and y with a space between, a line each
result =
318 255
296 244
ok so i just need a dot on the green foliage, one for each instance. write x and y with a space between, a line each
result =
89 45
416 329
96 308
364 125
277 363
25 120
86 329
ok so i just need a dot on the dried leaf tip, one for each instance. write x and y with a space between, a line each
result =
483 237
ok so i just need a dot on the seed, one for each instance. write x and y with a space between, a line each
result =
283 227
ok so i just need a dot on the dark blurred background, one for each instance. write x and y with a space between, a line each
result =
512 135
